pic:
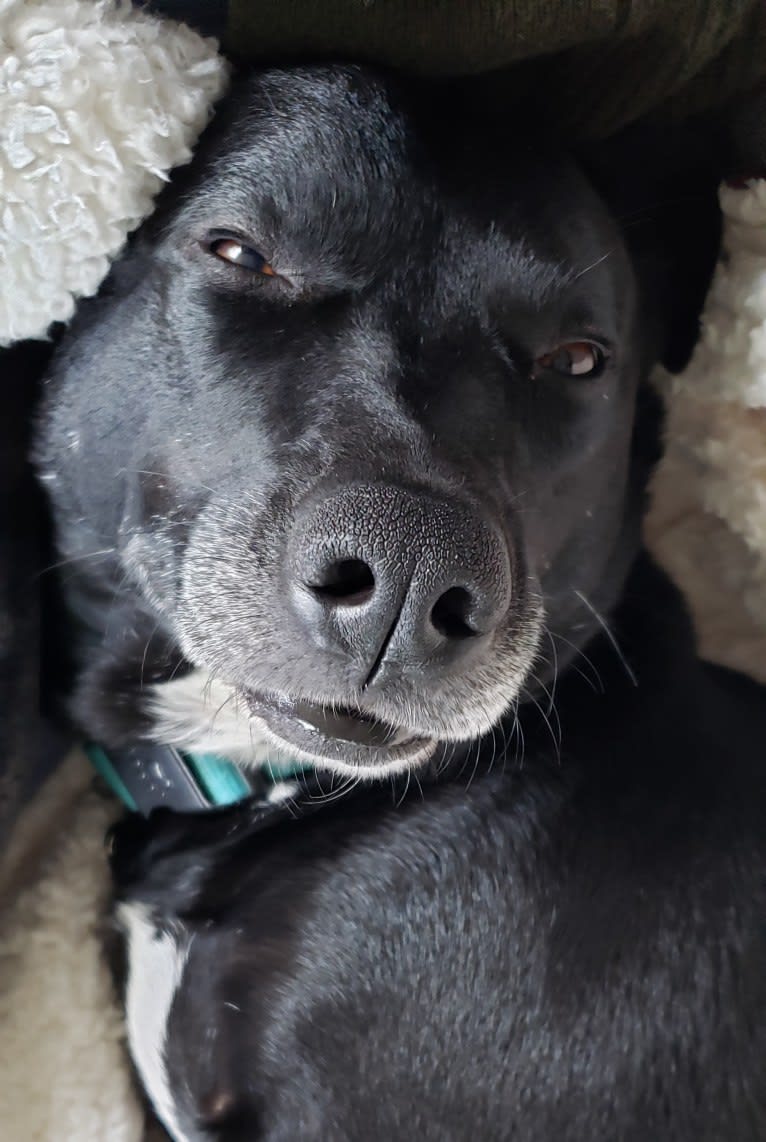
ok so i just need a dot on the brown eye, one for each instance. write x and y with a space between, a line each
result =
237 253
574 359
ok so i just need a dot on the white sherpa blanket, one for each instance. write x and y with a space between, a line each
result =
97 103
63 1071
708 521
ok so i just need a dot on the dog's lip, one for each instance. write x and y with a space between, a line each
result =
336 733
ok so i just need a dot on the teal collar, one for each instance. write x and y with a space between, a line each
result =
150 776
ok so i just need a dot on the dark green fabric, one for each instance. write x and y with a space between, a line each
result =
607 62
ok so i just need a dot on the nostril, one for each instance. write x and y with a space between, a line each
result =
347 582
450 614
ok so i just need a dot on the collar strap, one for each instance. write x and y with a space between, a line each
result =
151 776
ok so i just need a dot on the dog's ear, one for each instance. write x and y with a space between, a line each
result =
661 183
164 860
168 860
153 862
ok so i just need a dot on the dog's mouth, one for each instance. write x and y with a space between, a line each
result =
339 736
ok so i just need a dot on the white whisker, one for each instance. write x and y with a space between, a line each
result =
612 640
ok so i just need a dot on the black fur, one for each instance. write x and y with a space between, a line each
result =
221 437
561 934
571 946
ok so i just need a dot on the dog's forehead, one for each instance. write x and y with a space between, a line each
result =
345 179
330 153
299 147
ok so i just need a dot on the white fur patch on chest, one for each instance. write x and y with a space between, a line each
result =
156 963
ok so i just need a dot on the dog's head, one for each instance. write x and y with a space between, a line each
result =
352 419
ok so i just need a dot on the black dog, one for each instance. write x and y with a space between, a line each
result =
348 432
346 462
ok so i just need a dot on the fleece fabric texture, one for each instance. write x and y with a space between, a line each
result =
97 104
708 521
98 100
64 1075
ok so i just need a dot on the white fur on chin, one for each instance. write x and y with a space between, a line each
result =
201 715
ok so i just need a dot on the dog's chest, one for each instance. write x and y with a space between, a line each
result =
156 966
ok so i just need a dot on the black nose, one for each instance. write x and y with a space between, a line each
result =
393 578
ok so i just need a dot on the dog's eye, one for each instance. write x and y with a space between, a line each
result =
574 359
231 249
